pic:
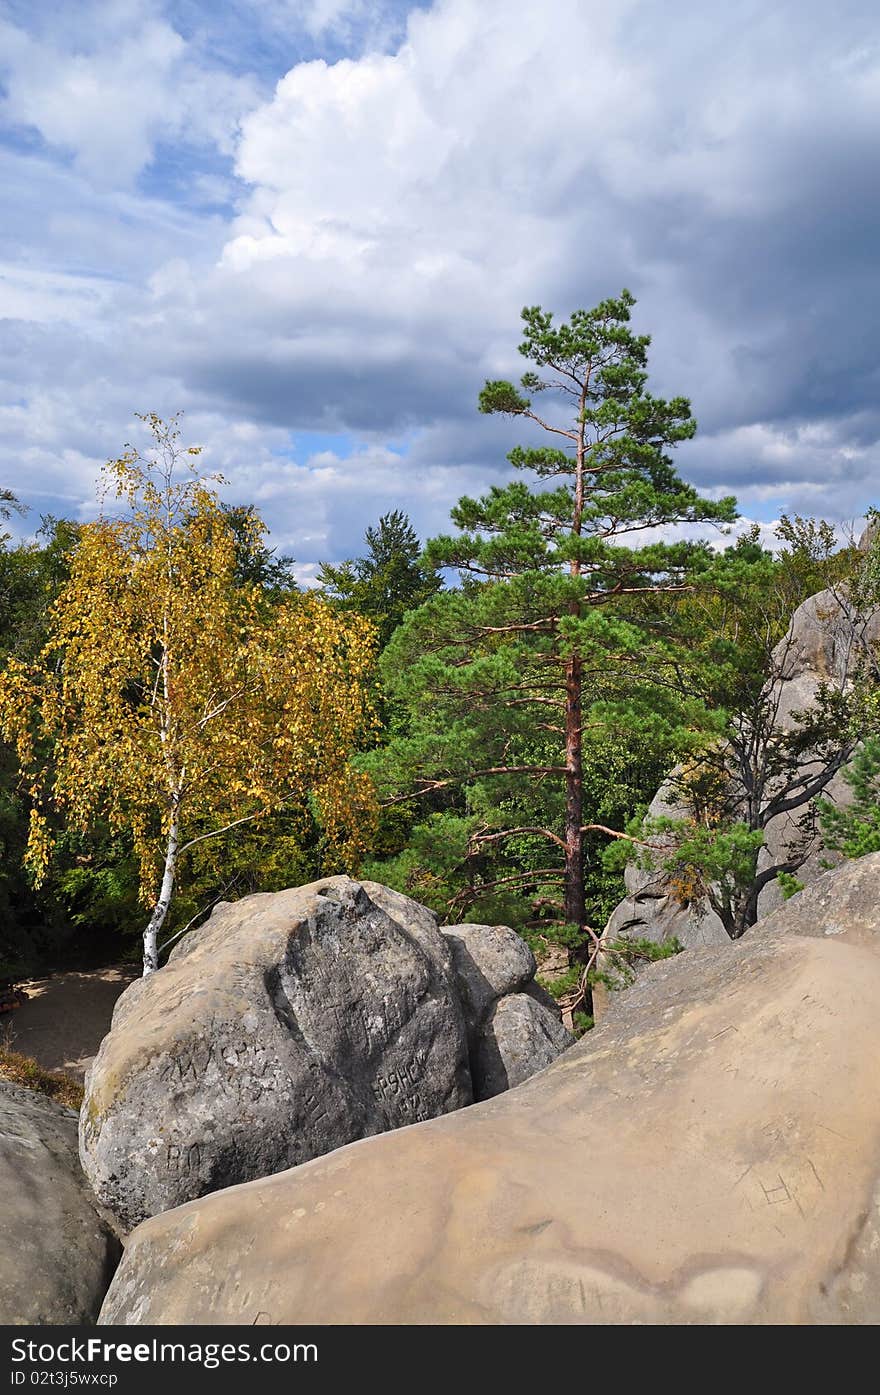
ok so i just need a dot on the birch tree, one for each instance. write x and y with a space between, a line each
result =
177 704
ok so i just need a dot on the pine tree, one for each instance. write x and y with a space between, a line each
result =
540 647
388 581
855 829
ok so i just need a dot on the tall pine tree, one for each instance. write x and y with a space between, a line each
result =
540 648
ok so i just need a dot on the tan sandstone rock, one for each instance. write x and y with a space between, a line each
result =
710 1154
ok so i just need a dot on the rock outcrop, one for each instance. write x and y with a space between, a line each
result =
514 1027
824 642
58 1255
844 902
288 1025
710 1154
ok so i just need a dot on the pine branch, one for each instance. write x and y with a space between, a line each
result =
512 832
429 786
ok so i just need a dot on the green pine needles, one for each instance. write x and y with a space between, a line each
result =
517 686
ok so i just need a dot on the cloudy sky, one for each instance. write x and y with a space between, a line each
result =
312 224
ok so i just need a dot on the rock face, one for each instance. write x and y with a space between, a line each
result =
289 1024
514 1027
58 1256
823 643
293 1023
649 912
710 1154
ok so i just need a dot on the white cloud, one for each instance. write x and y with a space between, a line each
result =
108 95
397 207
319 16
43 296
405 204
321 507
816 468
364 24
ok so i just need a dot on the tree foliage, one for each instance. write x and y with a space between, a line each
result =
183 719
855 828
175 704
763 761
33 924
256 564
511 685
388 581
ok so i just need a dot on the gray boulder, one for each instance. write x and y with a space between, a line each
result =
58 1255
520 1037
514 1027
289 1024
488 961
649 911
709 1154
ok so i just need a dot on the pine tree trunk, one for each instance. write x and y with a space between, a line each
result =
157 919
575 910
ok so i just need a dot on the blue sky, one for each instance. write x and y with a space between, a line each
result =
311 226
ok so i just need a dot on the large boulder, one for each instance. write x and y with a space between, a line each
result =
514 1026
58 1255
289 1024
826 640
843 902
710 1154
650 910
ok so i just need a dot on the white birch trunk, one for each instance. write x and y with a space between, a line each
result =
157 919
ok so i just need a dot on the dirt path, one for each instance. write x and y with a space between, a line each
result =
66 1017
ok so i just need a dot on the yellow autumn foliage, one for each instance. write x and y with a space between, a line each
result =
171 693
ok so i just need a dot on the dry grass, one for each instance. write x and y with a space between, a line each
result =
23 1070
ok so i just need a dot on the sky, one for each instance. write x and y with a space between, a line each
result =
311 225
